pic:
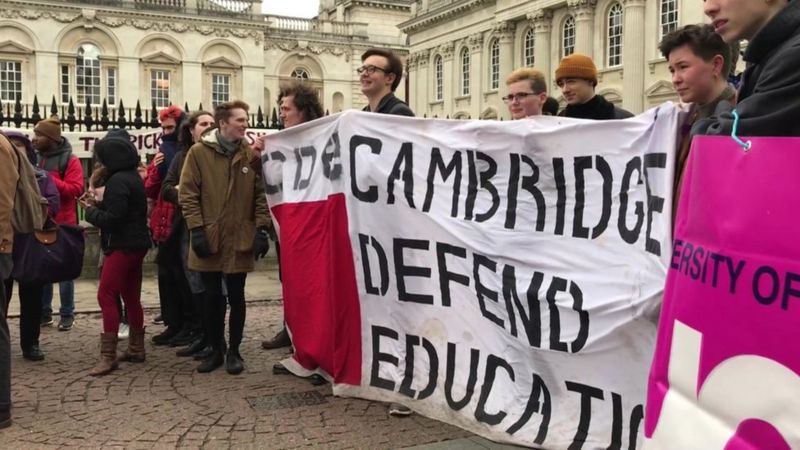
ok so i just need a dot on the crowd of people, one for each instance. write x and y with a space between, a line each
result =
201 199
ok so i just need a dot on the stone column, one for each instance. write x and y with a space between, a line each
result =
541 21
633 56
48 79
252 87
505 33
450 79
423 96
476 74
129 84
583 11
193 76
413 79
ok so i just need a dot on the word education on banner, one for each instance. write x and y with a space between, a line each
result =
726 371
501 277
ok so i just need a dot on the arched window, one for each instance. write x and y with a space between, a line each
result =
300 73
568 37
87 71
438 77
530 44
614 36
494 64
668 17
465 66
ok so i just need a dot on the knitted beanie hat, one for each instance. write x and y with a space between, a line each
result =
577 65
50 128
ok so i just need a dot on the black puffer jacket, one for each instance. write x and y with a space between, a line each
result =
122 215
769 98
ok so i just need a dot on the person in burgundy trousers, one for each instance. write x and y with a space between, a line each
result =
125 239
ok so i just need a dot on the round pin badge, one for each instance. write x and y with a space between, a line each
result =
245 169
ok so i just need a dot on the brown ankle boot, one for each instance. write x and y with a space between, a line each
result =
108 355
135 351
280 340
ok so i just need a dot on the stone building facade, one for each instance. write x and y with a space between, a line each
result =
161 52
461 50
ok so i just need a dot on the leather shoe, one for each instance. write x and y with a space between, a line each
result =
212 362
233 362
164 337
280 369
204 353
34 353
195 347
5 419
280 340
184 337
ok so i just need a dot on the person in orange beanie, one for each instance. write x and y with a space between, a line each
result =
576 75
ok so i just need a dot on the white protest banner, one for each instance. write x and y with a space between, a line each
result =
499 276
146 140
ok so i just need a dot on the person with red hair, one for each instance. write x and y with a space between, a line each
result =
173 288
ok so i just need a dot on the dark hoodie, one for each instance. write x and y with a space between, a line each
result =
597 108
169 146
122 215
769 96
46 184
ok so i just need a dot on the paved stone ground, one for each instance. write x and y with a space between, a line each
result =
164 403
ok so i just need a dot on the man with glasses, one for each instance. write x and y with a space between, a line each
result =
380 75
527 93
577 77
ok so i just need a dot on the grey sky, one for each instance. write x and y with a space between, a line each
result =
296 8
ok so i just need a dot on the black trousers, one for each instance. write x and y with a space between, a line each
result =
5 340
174 294
214 310
30 311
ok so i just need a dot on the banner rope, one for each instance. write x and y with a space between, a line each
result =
746 146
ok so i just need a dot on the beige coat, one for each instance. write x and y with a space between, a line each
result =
226 197
9 175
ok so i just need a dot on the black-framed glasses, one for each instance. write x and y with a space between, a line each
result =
369 69
519 96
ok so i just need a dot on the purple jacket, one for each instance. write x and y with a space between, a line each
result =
49 191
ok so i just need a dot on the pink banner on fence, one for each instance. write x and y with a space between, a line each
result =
726 372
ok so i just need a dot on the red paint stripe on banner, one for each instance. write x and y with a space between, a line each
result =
320 294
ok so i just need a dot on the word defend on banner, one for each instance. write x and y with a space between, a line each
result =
501 277
726 372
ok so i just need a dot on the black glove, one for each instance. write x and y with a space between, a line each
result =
261 243
200 243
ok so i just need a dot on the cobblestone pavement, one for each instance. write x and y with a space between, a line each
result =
164 403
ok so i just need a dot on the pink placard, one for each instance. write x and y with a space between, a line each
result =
726 371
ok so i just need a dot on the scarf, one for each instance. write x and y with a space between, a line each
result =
598 108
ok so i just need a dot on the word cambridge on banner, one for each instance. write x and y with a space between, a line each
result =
726 373
498 276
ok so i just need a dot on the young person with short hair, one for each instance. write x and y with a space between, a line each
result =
379 76
227 218
699 61
576 75
527 93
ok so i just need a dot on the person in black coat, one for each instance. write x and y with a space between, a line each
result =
125 239
768 102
